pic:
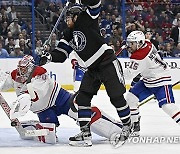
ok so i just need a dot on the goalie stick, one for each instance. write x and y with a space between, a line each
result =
18 126
153 97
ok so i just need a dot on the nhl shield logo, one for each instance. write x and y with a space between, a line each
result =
79 41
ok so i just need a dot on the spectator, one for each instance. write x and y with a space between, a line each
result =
20 36
25 35
3 52
2 39
115 36
175 21
39 37
24 48
148 34
166 33
17 52
39 47
15 28
134 26
54 40
3 29
161 48
137 6
117 46
8 36
10 46
104 35
20 20
106 23
175 33
4 15
114 22
12 14
168 50
176 51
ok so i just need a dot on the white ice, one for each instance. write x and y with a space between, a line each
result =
154 123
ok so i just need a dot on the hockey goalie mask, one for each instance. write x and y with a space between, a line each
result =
135 40
25 67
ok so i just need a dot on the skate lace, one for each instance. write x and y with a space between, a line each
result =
80 135
125 131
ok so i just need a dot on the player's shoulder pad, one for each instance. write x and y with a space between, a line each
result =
39 71
143 52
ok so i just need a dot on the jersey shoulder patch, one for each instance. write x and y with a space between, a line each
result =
143 52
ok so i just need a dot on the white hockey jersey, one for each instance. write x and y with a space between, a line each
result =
45 89
147 62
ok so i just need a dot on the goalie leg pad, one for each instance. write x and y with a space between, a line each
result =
28 125
104 125
43 132
51 137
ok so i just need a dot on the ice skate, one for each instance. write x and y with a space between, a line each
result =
81 139
136 128
118 140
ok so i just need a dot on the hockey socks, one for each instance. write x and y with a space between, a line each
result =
124 114
173 111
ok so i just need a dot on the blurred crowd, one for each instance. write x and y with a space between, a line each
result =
158 19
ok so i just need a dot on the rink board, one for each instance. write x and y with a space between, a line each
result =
63 72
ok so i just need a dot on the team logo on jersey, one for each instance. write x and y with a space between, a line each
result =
79 41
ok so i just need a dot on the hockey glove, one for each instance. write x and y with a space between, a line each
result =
135 80
45 58
74 63
21 106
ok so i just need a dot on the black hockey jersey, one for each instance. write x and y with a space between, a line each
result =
85 38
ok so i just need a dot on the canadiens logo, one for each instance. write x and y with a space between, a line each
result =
79 41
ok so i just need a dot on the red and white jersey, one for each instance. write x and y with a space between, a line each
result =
45 89
147 62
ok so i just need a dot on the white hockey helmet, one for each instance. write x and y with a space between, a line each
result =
136 36
25 66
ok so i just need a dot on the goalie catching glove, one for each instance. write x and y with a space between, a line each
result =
21 106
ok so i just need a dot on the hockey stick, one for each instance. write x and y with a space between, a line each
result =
120 50
19 128
57 23
153 97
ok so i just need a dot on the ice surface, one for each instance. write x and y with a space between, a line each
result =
154 123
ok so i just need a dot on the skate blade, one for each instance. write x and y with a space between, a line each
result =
80 143
115 142
135 134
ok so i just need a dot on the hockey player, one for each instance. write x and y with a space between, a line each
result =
83 36
48 100
156 78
